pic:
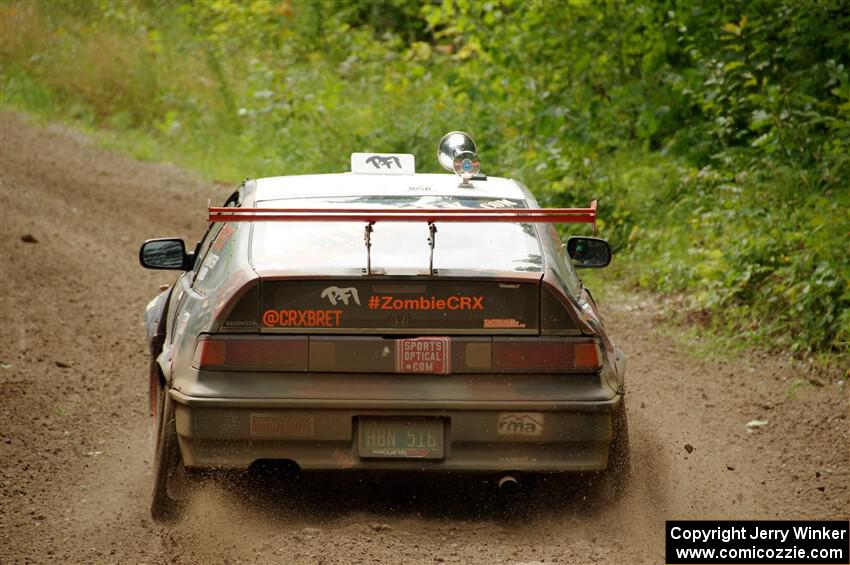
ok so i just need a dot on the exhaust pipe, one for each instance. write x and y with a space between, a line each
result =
508 484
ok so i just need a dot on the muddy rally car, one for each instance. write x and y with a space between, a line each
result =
381 319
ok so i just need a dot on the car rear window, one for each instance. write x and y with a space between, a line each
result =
397 247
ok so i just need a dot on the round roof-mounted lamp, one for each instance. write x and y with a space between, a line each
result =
457 153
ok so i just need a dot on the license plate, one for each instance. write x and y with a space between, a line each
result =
424 355
403 439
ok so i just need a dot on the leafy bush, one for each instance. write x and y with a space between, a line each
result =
715 134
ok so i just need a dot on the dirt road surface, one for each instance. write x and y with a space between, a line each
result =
75 471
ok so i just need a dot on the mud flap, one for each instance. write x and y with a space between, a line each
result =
169 489
616 478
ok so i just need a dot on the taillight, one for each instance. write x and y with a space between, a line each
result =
545 355
233 352
250 353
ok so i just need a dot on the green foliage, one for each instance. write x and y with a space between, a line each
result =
715 134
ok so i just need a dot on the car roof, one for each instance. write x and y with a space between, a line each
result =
358 184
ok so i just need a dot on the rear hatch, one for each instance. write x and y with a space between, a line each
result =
334 297
323 277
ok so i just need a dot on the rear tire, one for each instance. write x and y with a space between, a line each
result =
169 472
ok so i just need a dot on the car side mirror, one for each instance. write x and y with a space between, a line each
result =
165 253
589 252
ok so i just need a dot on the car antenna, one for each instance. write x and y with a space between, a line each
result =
367 237
432 239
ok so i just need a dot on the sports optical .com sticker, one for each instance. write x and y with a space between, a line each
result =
380 302
423 355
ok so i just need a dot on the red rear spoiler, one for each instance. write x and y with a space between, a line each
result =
429 215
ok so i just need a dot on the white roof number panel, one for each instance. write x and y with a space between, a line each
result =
383 163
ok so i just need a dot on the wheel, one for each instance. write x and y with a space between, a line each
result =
616 478
169 473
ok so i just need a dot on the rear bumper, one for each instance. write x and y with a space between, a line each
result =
315 433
